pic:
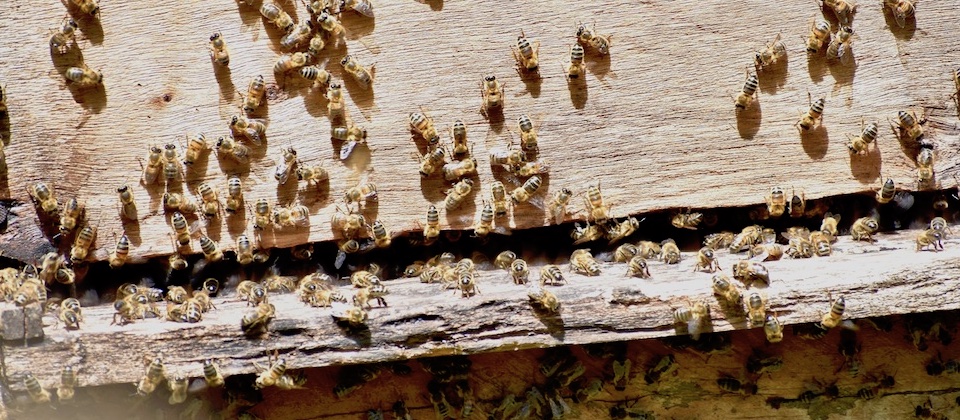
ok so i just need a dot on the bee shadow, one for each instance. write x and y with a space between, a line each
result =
5 128
237 222
748 120
360 26
197 171
773 77
213 228
844 71
432 188
496 119
131 228
359 159
287 192
532 81
909 25
435 5
910 148
315 101
734 314
578 91
599 66
228 91
816 67
230 166
553 322
866 168
315 196
358 333
815 141
362 98
90 26
93 99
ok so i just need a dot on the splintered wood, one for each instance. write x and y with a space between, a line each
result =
654 120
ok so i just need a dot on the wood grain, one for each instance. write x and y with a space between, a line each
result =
888 277
653 122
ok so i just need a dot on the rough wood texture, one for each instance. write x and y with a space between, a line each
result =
888 277
651 118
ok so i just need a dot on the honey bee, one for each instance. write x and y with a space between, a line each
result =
366 191
176 294
83 76
290 215
423 125
459 134
773 329
798 204
251 128
756 308
864 228
70 314
543 299
706 260
625 252
484 223
459 169
178 389
772 53
723 287
297 35
844 9
776 202
128 207
196 145
519 271
68 380
558 206
467 285
886 192
177 262
316 74
64 36
331 25
363 75
255 92
431 231
930 239
276 368
65 275
669 252
623 229
209 200
381 235
119 256
251 292
648 249
925 166
491 90
901 10
288 159
719 240
909 125
551 274
504 259
637 267
431 161
581 261
535 167
507 158
273 13
228 146
749 272
588 233
527 54
349 314
840 43
254 324
45 198
457 194
868 134
821 242
234 195
813 116
177 202
598 210
589 36
172 167
49 265
375 292
36 391
686 220
219 52
575 68
262 212
528 133
211 250
347 222
748 93
939 224
364 278
82 243
363 7
152 378
335 104
832 319
800 247
527 190
819 34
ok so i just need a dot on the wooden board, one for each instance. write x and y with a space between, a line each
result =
650 122
888 277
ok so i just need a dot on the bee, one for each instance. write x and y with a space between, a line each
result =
798 204
273 13
773 329
821 242
901 10
637 267
68 380
491 91
467 284
373 292
178 389
299 34
83 76
30 291
504 259
49 265
331 24
457 194
723 287
669 252
433 160
575 68
459 169
623 229
706 260
528 133
909 125
262 212
234 195
363 192
128 207
350 314
519 271
886 192
598 210
719 240
335 105
864 228
868 133
276 367
251 128
432 228
459 134
930 238
581 261
177 202
558 206
498 196
251 292
172 167
36 391
254 324
290 215
348 223
211 250
231 148
819 34
507 158
363 278
551 274
381 235
625 252
939 224
751 271
543 299
686 220
589 36
177 262
44 197
776 202
748 93
842 8
363 7
535 167
196 145
353 135
925 166
288 159
772 53
176 294
832 319
527 190
363 75
756 308
219 52
527 54
255 92
316 74
65 275
423 125
590 233
484 223
70 314
813 115
840 43
64 36
153 376
82 243
209 200
119 256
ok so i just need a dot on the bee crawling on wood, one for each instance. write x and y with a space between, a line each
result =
706 260
363 75
901 10
820 31
909 126
813 116
527 55
840 44
575 68
491 91
772 52
864 228
930 239
60 40
859 144
748 93
590 37
84 77
219 52
844 9
273 13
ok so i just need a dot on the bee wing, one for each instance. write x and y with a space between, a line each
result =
254 136
845 54
341 258
347 149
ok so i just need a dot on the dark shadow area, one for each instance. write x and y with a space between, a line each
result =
866 168
93 98
361 97
774 76
5 128
228 91
815 141
598 64
816 66
909 25
578 91
749 120
532 82
89 26
359 27
315 101
844 70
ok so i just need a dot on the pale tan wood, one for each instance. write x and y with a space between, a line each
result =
888 277
650 122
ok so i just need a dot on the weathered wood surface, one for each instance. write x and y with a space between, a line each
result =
650 120
888 277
